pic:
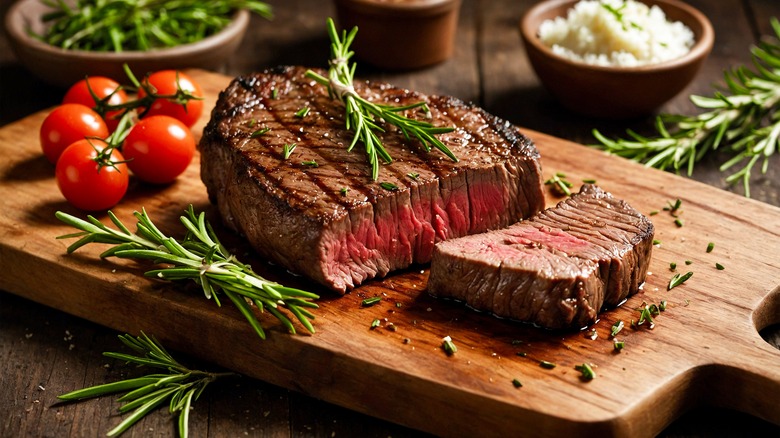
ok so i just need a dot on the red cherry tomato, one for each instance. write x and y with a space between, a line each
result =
84 183
159 149
165 83
102 87
69 123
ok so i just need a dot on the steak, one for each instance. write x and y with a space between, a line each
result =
331 221
557 269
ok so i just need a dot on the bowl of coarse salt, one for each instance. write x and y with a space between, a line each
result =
615 59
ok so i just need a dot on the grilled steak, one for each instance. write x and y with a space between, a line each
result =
331 222
556 269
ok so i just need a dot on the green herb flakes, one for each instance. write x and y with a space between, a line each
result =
448 346
516 383
389 186
303 112
586 370
678 279
260 132
288 149
616 328
368 302
547 365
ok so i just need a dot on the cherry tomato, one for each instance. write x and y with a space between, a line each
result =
159 149
69 123
165 83
84 183
102 87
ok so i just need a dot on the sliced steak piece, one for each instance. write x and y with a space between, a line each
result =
556 269
331 222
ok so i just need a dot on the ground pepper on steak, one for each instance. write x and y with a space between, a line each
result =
331 222
556 269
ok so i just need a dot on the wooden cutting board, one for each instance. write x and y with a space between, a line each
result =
705 348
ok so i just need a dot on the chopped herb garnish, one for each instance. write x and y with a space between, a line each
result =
678 222
645 316
522 354
616 328
547 365
344 191
375 323
672 208
288 149
413 175
586 370
673 266
389 186
654 212
678 279
398 305
710 247
589 181
260 132
517 342
654 310
656 242
618 345
689 262
252 123
274 93
719 266
368 302
303 112
560 185
662 306
311 163
516 383
448 346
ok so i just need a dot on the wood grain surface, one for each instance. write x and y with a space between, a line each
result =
704 344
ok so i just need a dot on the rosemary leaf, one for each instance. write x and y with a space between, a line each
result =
181 386
363 116
199 257
678 279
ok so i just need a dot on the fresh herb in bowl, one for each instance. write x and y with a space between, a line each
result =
129 25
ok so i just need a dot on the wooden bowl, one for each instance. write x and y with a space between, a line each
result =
401 35
615 92
65 67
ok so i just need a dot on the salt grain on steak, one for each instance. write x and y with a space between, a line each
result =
556 269
331 222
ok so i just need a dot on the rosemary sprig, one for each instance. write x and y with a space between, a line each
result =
118 26
199 257
362 115
182 386
747 119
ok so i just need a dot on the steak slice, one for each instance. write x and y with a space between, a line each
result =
331 222
556 269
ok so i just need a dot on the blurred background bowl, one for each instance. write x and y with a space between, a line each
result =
615 92
63 68
401 35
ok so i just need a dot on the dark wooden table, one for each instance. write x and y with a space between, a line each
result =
45 352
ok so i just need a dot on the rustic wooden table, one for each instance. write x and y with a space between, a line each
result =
45 352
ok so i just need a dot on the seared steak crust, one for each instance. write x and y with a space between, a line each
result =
331 222
556 269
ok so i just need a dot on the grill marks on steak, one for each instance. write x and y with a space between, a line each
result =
332 222
557 269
